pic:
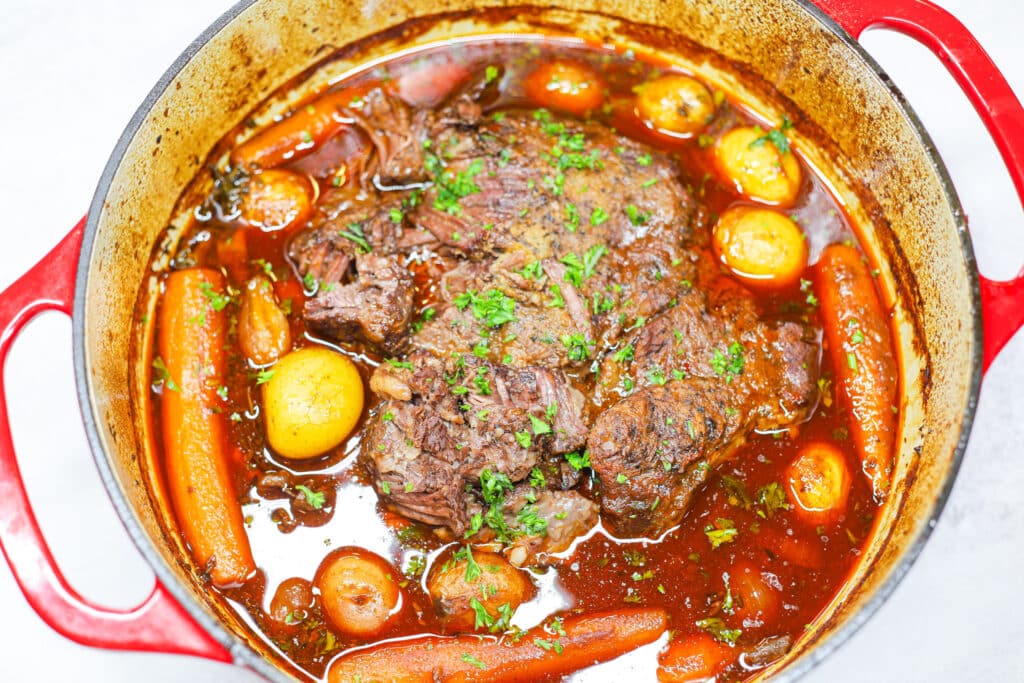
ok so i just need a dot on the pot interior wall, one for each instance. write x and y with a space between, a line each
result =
848 120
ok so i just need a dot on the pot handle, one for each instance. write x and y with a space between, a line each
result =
1002 303
159 624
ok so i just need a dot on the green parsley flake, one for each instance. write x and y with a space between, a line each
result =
315 499
722 531
494 307
355 234
539 426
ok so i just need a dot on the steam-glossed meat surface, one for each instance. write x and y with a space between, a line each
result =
703 375
565 246
427 452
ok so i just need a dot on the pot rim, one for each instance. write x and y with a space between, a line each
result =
240 652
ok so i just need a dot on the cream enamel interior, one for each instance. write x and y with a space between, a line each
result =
908 220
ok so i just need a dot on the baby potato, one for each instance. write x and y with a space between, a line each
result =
312 401
748 159
292 604
476 590
566 85
277 200
761 247
819 482
359 591
675 104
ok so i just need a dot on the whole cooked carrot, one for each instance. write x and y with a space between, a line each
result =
574 644
860 343
191 335
298 134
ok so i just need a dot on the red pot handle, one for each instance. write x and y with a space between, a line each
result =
159 624
1002 303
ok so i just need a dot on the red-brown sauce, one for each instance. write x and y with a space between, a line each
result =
800 567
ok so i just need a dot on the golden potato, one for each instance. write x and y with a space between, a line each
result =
312 401
762 247
752 162
476 590
819 481
675 104
359 591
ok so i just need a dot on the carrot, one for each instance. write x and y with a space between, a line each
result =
539 653
857 331
298 134
694 659
191 344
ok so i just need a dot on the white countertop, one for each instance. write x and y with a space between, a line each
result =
71 75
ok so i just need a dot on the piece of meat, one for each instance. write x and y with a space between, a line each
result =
395 135
567 515
698 379
541 331
464 415
376 307
551 184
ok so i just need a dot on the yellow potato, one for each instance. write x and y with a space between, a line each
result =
675 104
312 401
756 167
819 482
762 247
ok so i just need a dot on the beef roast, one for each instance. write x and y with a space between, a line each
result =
699 377
574 281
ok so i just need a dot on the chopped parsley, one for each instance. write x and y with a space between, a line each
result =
556 300
355 234
539 426
718 630
577 270
548 645
598 216
576 346
470 659
773 498
490 73
524 439
164 374
493 307
572 217
578 461
722 531
217 300
263 376
316 499
399 364
635 216
729 364
451 187
776 136
623 355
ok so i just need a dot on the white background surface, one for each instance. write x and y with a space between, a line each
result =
71 75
